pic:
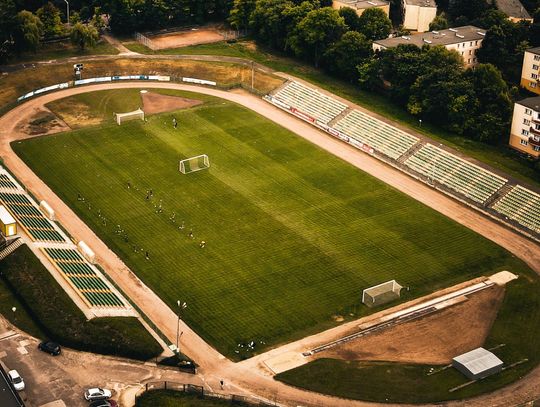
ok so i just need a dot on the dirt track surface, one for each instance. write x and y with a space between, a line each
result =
156 103
431 339
185 38
248 377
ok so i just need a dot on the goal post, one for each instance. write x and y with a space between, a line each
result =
381 293
136 114
192 164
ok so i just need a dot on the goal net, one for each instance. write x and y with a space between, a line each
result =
381 294
122 117
200 162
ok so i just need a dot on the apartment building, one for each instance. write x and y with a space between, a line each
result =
525 130
530 70
361 5
418 14
465 40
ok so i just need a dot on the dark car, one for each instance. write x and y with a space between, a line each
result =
49 347
103 403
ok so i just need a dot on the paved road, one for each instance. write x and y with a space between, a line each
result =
246 377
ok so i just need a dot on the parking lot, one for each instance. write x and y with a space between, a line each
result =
64 378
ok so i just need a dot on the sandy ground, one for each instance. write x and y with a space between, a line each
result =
247 377
42 122
157 103
185 38
432 339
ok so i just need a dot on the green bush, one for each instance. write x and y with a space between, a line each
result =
60 319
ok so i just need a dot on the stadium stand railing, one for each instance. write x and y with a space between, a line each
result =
377 134
522 206
455 173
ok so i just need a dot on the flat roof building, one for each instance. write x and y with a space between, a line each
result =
525 130
477 364
361 5
418 14
465 40
514 10
530 70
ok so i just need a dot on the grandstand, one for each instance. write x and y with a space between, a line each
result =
6 183
83 277
310 101
28 215
521 205
455 173
375 133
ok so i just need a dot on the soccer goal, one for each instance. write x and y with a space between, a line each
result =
381 294
200 162
136 114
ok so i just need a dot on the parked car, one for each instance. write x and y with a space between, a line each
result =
16 380
97 393
49 347
103 403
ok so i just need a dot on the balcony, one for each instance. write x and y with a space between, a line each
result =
534 131
534 141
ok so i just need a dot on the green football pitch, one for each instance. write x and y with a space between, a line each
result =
293 234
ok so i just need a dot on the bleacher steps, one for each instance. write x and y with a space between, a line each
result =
497 196
410 152
339 117
11 247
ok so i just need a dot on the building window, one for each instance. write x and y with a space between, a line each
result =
476 43
535 67
469 61
536 148
534 76
524 132
537 126
532 84
474 60
470 52
537 57
458 45
528 111
523 142
526 122
461 52
470 44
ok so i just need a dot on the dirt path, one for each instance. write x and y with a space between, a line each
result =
243 377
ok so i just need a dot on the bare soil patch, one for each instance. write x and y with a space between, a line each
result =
433 339
157 103
186 38
42 122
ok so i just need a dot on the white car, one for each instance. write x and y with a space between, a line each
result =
97 393
16 380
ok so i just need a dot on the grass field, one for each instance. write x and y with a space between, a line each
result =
30 287
517 326
499 157
292 233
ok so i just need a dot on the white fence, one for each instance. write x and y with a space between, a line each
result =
144 40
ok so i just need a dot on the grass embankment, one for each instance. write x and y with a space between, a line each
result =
63 49
227 75
517 326
499 157
171 398
45 310
293 234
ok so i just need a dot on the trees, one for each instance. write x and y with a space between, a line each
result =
375 24
8 22
317 30
241 13
268 22
28 32
84 35
352 19
50 17
440 22
343 57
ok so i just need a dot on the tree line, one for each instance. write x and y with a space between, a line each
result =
429 82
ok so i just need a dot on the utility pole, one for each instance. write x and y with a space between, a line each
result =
181 306
67 6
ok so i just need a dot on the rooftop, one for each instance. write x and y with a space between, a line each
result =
532 103
364 4
513 8
534 50
421 3
443 37
478 360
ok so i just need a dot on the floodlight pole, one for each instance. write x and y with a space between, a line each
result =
252 74
181 306
67 6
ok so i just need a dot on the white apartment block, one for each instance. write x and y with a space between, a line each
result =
362 5
464 40
418 14
525 131
530 70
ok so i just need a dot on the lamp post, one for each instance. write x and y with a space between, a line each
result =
181 306
67 6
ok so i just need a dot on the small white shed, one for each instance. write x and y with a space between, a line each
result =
7 223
